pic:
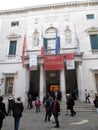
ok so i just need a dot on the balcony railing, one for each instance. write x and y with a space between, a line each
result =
52 51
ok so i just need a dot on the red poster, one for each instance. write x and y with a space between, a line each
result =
53 62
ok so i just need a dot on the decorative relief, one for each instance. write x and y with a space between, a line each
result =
36 38
68 35
36 21
51 19
51 30
67 18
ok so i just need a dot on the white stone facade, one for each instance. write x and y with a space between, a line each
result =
46 19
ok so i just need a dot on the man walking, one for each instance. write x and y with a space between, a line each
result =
17 112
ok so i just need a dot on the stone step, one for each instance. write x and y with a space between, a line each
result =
79 106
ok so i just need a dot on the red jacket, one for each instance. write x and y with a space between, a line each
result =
37 102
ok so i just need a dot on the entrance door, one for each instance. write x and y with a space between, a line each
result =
34 83
52 81
71 81
96 77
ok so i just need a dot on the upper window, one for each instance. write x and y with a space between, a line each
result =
12 47
94 41
16 23
90 16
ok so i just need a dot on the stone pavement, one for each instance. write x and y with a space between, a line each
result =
35 121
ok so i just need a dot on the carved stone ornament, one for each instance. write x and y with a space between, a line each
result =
68 34
36 38
51 30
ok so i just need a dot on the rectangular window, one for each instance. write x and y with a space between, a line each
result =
16 23
12 47
90 16
94 41
9 85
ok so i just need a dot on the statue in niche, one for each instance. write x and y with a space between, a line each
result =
36 38
68 35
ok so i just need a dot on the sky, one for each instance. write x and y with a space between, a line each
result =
11 4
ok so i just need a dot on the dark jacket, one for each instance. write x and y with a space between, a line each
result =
70 102
18 109
56 108
96 102
2 110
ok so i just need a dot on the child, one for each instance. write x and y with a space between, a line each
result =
37 104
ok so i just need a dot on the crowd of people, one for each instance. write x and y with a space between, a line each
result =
15 108
51 103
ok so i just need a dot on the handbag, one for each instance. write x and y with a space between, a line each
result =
52 119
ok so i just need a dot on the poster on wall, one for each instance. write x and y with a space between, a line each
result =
33 62
70 61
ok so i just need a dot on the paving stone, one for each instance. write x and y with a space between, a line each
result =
35 121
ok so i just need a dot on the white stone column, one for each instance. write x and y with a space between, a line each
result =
44 87
62 84
80 81
27 78
41 84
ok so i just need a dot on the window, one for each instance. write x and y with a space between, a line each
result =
96 77
50 44
90 16
94 41
9 85
14 23
12 47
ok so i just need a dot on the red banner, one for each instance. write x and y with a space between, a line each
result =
69 56
53 62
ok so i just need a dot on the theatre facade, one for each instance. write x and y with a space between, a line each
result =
63 41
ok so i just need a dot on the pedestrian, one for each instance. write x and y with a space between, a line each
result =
87 96
67 103
59 95
52 93
71 104
2 111
17 112
56 112
48 108
45 99
10 105
37 104
96 103
30 101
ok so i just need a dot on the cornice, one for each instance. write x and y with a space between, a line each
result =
50 6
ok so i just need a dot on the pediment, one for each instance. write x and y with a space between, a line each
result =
92 29
13 35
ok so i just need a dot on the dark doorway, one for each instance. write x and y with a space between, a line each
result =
34 83
52 80
71 80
